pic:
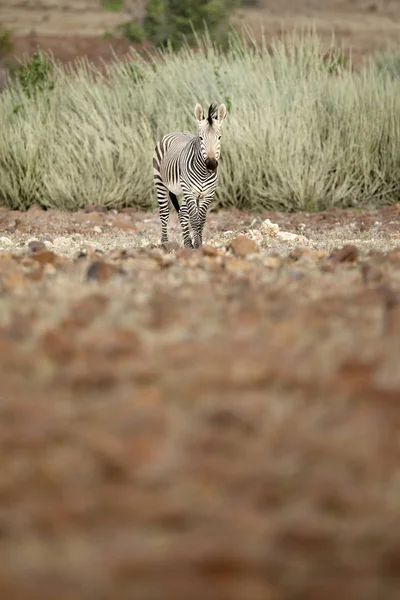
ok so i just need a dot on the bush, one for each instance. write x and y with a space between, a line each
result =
297 135
35 75
171 21
132 31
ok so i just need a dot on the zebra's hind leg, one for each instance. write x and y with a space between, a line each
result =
184 221
162 197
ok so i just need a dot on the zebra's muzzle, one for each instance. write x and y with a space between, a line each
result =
211 164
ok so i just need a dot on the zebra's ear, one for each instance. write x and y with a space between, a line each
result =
221 112
198 112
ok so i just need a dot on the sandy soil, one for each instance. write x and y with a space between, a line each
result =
220 423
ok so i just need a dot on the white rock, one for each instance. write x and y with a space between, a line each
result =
269 228
61 241
97 229
256 235
288 236
5 241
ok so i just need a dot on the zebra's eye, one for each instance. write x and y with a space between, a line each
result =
219 137
201 137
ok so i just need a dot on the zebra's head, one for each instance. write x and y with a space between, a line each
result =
209 133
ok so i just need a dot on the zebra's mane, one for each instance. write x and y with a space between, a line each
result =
212 113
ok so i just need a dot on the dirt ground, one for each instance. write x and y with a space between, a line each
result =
77 27
219 423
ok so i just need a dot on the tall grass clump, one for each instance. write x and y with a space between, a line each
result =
302 131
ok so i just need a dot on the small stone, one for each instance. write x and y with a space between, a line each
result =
36 246
268 228
97 229
5 241
243 246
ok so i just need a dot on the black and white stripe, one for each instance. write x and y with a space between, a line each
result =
186 165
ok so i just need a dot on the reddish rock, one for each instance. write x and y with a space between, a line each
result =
85 310
58 345
95 208
101 271
210 251
348 253
44 257
170 246
242 246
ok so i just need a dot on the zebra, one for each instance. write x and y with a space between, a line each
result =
187 165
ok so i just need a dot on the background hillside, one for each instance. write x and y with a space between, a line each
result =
83 27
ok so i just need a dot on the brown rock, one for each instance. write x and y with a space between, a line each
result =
12 281
170 246
348 253
91 217
242 246
184 253
95 208
35 208
44 257
124 222
88 308
210 250
101 271
236 265
58 346
370 274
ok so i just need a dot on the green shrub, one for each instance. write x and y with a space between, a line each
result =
35 75
171 21
297 135
132 31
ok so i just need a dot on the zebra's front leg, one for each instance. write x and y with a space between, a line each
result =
184 221
194 219
203 210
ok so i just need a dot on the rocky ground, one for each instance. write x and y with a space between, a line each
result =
220 423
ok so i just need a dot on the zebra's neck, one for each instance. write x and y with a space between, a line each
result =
198 163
